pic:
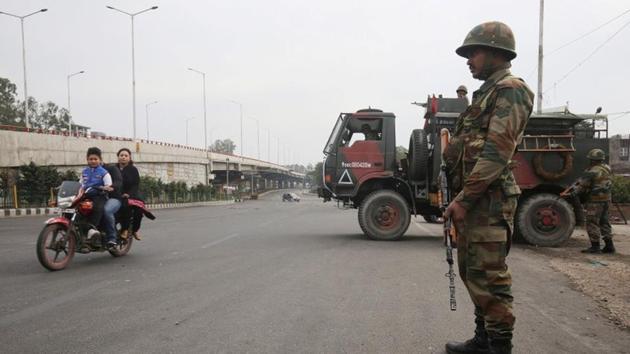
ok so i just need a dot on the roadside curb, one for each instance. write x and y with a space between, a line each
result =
12 213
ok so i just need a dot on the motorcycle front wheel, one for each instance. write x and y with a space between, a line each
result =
55 247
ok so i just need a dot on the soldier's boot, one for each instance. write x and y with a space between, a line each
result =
500 346
609 246
476 345
593 249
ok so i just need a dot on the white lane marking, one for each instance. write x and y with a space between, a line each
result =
214 243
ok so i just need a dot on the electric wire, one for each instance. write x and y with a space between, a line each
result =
587 33
589 56
577 39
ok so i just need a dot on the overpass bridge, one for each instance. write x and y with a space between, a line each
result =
168 162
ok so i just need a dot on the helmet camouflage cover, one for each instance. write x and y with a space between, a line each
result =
493 34
596 154
462 88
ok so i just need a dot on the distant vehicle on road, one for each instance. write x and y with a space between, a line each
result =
290 197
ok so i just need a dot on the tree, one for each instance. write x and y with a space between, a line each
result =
8 107
316 175
225 146
48 116
401 153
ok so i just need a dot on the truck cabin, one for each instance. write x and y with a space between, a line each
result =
364 138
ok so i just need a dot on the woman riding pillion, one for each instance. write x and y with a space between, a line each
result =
130 190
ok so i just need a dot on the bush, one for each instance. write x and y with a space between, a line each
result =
34 183
156 191
620 189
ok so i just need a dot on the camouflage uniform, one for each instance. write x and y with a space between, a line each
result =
479 155
596 181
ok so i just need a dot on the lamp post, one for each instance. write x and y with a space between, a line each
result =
227 176
133 59
241 111
188 120
146 107
26 120
69 111
205 121
258 134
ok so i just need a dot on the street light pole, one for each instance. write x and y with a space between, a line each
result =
240 105
70 111
205 121
188 120
227 176
146 107
133 59
257 135
26 120
269 144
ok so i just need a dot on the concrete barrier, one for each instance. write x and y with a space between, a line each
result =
12 213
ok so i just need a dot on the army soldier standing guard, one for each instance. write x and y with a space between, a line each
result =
596 182
478 156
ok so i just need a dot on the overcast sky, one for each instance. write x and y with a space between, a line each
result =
294 65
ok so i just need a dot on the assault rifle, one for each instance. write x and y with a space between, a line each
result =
444 198
570 189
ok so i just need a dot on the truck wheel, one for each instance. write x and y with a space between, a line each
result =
545 220
384 215
418 156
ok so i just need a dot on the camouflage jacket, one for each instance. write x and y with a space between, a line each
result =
597 182
486 137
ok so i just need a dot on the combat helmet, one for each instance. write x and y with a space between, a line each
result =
493 34
462 88
596 155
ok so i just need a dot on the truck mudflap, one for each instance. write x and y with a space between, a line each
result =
324 194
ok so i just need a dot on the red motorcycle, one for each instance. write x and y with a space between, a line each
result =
69 232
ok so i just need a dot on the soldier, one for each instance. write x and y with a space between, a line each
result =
485 138
595 183
462 91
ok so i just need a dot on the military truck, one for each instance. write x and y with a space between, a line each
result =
361 171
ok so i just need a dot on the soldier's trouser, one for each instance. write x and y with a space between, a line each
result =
481 253
597 223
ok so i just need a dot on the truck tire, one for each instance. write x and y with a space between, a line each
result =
384 215
418 156
545 220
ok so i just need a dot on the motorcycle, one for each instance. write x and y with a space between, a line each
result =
70 232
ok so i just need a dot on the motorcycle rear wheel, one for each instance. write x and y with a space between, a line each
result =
123 247
55 241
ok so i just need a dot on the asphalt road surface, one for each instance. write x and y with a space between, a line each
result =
271 277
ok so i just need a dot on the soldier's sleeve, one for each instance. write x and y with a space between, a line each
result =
512 110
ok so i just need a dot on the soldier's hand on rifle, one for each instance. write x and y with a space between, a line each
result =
457 213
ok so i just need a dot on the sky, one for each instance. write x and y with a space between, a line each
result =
295 65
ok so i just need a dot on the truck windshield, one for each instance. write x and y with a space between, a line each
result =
330 144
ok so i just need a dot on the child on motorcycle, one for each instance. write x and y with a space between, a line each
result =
95 180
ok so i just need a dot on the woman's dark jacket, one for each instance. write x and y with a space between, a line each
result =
130 181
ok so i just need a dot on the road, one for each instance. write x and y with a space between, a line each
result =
271 277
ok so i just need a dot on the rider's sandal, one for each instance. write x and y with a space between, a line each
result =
137 236
124 234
